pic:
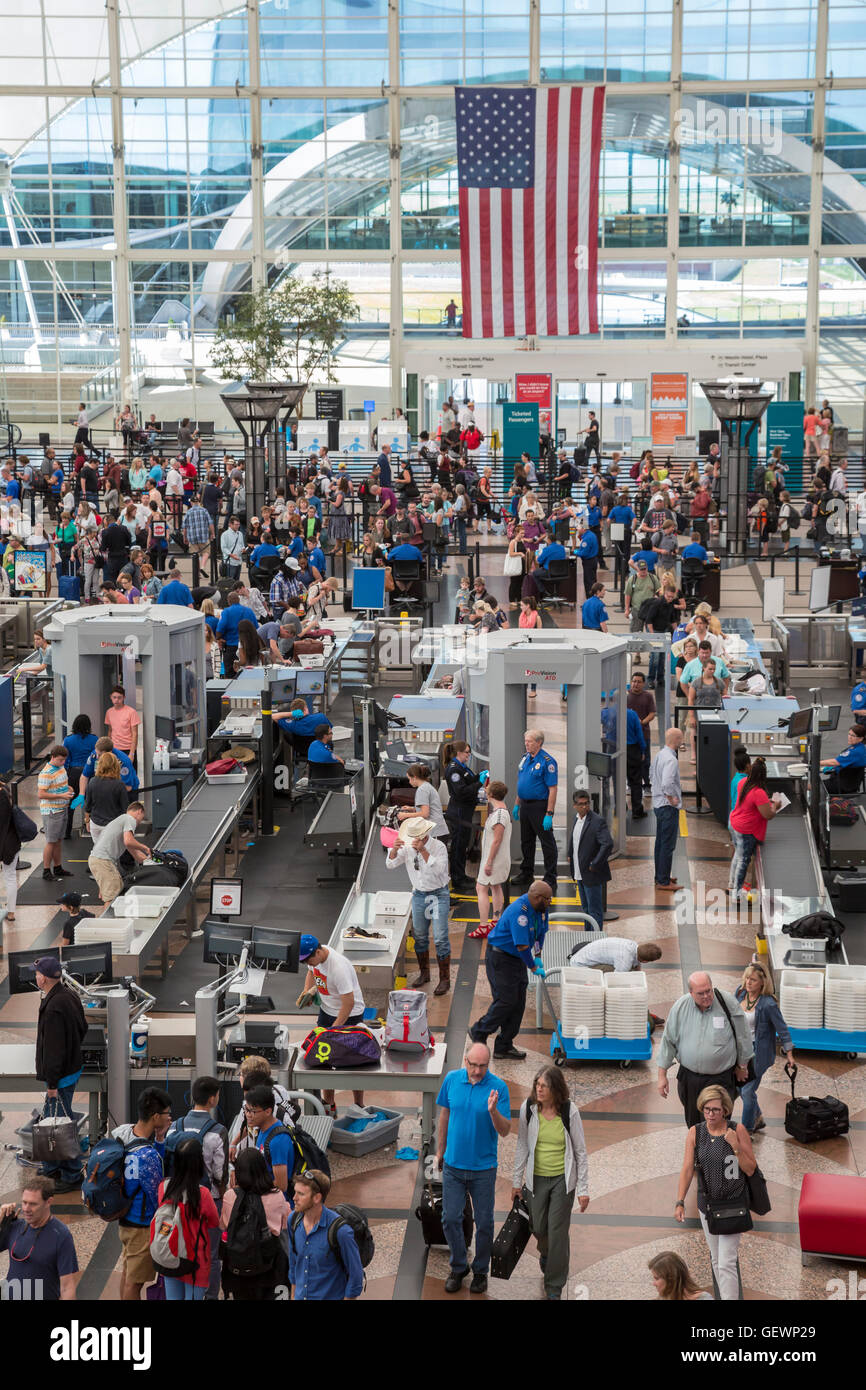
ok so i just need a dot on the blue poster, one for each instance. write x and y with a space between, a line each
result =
785 427
519 435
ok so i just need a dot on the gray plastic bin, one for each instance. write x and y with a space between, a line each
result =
375 1136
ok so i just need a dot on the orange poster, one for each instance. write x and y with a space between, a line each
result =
666 425
669 391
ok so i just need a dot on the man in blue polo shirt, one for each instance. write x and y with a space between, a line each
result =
593 613
277 1148
476 1112
646 555
128 774
513 947
227 628
537 778
695 551
587 549
316 557
262 549
175 591
846 771
320 750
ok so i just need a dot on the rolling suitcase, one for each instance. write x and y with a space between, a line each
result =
511 1242
69 587
813 1117
429 1211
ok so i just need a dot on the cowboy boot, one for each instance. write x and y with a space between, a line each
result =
444 984
424 966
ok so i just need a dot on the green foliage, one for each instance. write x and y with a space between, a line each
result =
287 333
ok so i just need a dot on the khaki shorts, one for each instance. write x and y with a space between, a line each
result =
137 1264
106 873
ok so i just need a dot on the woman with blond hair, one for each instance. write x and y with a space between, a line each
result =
766 1023
673 1282
721 1154
106 796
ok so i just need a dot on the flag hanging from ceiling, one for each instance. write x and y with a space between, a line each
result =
527 166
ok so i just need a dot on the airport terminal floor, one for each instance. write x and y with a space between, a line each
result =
634 1138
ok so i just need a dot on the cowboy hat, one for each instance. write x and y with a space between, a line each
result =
415 828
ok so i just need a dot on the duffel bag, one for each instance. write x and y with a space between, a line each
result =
222 766
340 1047
816 925
307 646
842 811
808 1118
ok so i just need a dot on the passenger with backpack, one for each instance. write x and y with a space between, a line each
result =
254 1221
181 1225
213 1139
126 1186
322 1266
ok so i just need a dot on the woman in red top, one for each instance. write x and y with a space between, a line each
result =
188 1188
749 819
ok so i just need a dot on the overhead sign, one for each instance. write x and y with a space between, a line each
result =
533 387
519 435
329 404
370 406
785 428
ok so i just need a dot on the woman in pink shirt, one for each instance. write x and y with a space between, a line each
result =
122 722
810 424
254 1186
754 807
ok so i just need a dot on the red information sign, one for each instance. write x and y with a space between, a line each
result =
533 388
666 425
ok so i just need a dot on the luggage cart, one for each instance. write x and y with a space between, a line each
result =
558 946
850 1045
622 1050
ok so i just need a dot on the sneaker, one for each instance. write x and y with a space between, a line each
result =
479 1283
48 875
454 1282
63 873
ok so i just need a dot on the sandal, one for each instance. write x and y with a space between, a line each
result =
482 931
10 916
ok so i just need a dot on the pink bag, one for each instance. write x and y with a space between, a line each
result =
388 837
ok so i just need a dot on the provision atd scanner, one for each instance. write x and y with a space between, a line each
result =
156 652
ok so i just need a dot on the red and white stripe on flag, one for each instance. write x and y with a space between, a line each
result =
529 256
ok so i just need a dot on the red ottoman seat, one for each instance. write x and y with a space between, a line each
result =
832 1215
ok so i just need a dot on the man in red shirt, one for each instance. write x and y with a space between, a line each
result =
122 722
700 511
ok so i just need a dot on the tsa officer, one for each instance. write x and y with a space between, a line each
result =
537 777
463 788
587 549
513 947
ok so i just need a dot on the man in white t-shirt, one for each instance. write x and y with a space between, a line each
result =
341 1003
174 491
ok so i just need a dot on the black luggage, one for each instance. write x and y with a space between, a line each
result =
511 1242
169 871
429 1213
816 925
813 1117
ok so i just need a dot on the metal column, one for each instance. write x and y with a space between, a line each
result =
117 1019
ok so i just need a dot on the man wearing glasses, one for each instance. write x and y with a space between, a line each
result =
707 1033
475 1113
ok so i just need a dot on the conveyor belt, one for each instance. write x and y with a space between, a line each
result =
787 857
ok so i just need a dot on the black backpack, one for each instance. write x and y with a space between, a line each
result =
250 1249
347 1215
816 925
794 517
308 1154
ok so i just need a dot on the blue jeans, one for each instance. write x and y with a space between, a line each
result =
591 899
745 846
751 1109
176 1291
481 1185
70 1169
434 904
460 523
667 829
656 667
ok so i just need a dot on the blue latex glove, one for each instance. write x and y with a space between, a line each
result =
540 970
547 823
483 776
515 814
297 714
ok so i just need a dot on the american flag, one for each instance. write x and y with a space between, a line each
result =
527 165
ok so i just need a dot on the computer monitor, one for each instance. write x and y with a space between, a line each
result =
380 717
310 682
828 718
89 965
368 588
819 588
224 941
283 689
273 947
800 723
163 728
599 764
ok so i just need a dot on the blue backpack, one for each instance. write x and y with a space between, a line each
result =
102 1189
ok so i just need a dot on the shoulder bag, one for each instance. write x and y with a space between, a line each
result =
751 1062
729 1217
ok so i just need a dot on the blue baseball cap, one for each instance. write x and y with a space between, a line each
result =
309 944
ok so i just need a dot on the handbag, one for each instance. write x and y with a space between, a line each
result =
512 565
757 1193
55 1139
728 1218
751 1062
25 828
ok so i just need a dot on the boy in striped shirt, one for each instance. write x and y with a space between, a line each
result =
55 793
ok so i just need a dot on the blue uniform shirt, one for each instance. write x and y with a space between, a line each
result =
472 1138
316 557
634 730
855 756
227 627
306 726
128 774
79 747
405 552
695 552
295 546
264 549
624 515
519 929
593 613
175 592
858 698
587 548
319 752
552 551
536 774
593 516
648 555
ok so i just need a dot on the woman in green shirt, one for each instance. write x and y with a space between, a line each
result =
551 1164
65 537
